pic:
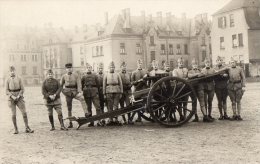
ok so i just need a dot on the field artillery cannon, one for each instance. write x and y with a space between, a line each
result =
161 102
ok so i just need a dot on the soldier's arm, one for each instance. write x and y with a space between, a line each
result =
243 78
174 73
120 82
59 88
8 93
62 81
79 86
44 91
97 82
104 84
21 87
82 82
132 77
192 74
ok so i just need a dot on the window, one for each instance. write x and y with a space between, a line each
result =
138 48
97 50
240 40
101 51
11 57
186 51
151 40
234 41
34 57
82 62
23 70
122 48
35 70
23 57
81 50
170 49
222 46
232 22
178 49
163 49
222 22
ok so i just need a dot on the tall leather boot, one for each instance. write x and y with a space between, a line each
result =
62 127
15 125
52 122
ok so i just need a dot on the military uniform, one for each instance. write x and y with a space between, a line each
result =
235 84
14 91
181 73
125 76
208 87
72 89
112 88
90 86
100 75
51 87
137 75
221 92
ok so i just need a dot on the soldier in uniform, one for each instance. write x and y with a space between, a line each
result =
181 72
138 74
73 90
51 93
208 87
14 91
235 87
90 87
167 68
221 90
155 66
112 90
195 73
125 76
100 92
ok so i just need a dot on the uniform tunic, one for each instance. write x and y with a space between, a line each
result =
137 75
180 72
100 92
14 87
125 76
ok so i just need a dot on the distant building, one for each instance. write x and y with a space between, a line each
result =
236 33
22 49
56 50
129 38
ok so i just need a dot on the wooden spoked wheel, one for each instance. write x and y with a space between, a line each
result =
171 101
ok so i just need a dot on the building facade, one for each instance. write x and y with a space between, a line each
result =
235 33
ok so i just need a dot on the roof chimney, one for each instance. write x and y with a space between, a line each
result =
159 17
106 18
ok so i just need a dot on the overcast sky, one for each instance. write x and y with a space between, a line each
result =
68 13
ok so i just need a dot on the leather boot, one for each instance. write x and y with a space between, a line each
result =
196 119
52 123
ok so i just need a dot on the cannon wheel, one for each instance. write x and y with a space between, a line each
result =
167 99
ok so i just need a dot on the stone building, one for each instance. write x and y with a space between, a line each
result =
236 33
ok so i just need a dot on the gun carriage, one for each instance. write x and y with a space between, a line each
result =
159 102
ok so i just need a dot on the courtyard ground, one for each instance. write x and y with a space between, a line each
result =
218 142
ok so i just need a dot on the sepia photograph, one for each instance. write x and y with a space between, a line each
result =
129 81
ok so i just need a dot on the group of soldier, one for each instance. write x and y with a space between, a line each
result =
112 89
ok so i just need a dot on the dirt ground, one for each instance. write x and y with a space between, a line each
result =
218 142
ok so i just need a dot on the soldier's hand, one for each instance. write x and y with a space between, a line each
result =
80 94
13 97
17 98
225 75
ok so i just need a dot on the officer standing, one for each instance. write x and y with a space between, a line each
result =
195 73
90 86
100 75
236 85
221 89
73 90
138 74
14 91
181 72
125 76
208 87
112 90
51 93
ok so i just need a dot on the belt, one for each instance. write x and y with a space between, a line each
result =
90 85
234 82
72 86
113 84
15 90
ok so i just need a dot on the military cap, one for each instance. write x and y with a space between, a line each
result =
194 61
68 65
12 68
100 65
206 60
180 60
49 71
139 61
111 64
123 64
